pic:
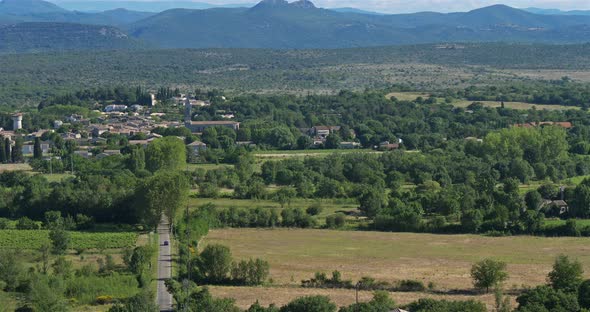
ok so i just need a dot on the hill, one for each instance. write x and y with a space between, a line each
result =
25 7
279 24
35 37
18 11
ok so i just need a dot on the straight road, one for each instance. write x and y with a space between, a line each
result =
164 298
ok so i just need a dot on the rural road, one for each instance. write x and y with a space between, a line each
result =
164 298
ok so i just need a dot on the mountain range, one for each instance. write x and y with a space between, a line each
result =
278 24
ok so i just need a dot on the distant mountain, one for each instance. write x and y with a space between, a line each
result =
15 11
37 37
279 24
28 7
144 6
556 11
357 11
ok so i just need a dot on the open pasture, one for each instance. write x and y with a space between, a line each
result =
514 105
444 260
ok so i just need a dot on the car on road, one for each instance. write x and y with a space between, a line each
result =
166 243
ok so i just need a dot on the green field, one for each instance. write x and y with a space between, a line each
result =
445 260
34 239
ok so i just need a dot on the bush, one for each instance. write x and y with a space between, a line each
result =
310 304
251 272
410 286
335 221
4 223
102 300
314 209
25 223
431 305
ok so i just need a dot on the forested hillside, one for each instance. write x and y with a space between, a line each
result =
35 37
427 67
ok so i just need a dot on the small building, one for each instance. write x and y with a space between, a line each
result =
387 146
322 132
197 147
115 108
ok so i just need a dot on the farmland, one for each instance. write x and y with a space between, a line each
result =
445 260
412 96
34 239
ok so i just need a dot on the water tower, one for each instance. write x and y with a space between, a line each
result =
17 122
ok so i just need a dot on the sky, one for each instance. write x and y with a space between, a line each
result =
406 6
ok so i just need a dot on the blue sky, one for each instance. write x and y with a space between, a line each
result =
404 6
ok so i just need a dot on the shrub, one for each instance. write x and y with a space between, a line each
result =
251 272
335 221
410 286
102 300
310 304
314 209
25 223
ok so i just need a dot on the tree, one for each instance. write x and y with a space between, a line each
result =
11 270
488 273
372 201
432 305
546 299
214 264
471 221
3 156
60 240
163 193
7 150
332 141
46 294
310 304
381 302
17 151
584 294
285 195
167 153
37 151
566 275
533 200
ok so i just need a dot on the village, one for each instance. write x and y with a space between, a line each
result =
136 123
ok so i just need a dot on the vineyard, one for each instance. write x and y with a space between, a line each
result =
34 239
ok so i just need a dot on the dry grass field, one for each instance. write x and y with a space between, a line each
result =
445 260
515 105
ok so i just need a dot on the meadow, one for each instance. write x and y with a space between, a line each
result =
412 96
444 260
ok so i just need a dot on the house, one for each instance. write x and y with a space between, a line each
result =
98 130
200 126
197 147
322 132
115 108
143 143
388 146
398 310
84 154
560 206
107 153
